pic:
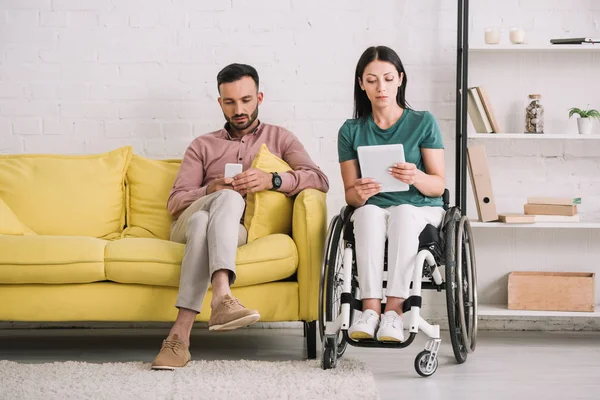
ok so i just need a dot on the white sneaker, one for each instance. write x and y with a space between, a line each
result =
391 328
365 326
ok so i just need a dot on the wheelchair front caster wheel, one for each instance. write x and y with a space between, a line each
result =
424 364
329 358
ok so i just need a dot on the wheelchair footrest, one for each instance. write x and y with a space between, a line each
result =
376 343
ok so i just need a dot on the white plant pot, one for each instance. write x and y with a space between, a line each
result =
584 125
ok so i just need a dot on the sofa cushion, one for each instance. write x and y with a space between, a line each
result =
51 259
158 262
10 224
268 212
67 195
149 183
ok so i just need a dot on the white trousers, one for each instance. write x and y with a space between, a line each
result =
402 226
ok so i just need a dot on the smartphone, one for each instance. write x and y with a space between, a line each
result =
232 170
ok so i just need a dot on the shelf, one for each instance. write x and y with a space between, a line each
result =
539 225
534 47
497 310
534 136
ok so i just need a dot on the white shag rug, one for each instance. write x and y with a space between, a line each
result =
212 380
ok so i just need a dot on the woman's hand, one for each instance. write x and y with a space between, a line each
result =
405 172
366 188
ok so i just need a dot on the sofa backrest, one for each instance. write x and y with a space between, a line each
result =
67 195
118 194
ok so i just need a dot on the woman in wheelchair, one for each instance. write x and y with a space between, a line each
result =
382 116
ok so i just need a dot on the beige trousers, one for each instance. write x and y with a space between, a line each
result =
401 225
211 230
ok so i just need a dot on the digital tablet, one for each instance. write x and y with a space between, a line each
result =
374 162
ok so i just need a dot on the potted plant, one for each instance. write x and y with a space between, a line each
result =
584 122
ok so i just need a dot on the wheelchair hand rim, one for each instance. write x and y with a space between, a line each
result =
467 335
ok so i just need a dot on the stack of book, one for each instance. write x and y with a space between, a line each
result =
480 111
545 209
553 209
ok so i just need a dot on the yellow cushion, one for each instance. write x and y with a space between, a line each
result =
109 301
158 262
67 195
10 224
51 259
269 211
148 185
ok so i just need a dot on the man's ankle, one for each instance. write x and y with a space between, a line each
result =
217 299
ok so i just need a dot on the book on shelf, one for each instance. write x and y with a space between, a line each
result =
549 209
559 201
516 218
489 111
556 218
480 110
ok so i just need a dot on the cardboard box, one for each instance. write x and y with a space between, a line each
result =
482 183
551 291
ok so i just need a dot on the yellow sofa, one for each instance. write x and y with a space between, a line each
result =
85 238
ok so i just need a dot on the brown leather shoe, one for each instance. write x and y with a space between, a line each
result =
230 314
173 354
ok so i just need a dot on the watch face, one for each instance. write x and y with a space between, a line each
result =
277 181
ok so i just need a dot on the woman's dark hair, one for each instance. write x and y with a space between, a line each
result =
362 104
234 72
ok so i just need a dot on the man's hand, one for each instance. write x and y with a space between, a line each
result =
405 172
219 184
252 181
365 188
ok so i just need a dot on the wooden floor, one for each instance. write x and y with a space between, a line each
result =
505 365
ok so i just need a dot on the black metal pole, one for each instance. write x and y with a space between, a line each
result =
458 119
461 104
463 195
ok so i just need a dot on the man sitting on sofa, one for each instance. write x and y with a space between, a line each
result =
208 207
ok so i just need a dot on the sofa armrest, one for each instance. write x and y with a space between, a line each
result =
309 228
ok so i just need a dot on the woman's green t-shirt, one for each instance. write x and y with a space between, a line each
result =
414 130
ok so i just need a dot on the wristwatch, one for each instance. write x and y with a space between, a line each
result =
276 181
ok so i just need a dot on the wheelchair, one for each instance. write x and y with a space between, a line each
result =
449 247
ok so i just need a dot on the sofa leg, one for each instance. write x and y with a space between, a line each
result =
310 332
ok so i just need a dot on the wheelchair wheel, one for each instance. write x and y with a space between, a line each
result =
421 362
461 285
330 290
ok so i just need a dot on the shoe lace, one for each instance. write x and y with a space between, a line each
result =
232 302
389 321
174 345
365 317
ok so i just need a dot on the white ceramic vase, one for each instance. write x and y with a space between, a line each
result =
584 125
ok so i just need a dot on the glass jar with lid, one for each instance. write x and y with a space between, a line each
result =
534 114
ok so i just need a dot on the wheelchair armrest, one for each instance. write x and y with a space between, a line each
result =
346 213
446 199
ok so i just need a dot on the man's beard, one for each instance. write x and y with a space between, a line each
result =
244 125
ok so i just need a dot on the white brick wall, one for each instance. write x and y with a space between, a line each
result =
73 72
80 76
